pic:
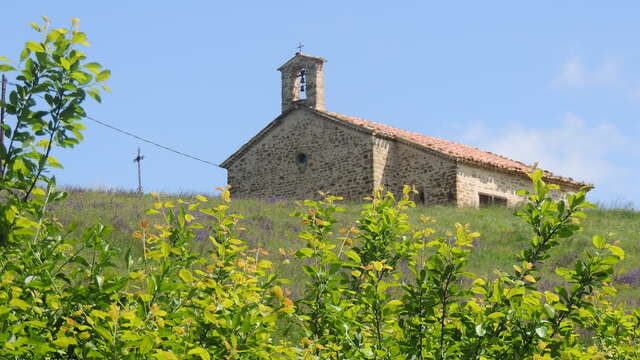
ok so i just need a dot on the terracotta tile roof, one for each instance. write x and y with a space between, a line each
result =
459 152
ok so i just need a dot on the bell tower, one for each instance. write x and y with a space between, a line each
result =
302 82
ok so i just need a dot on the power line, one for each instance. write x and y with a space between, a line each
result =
141 138
151 142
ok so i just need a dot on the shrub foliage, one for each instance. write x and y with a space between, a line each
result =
377 289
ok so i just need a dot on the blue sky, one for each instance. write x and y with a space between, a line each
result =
556 82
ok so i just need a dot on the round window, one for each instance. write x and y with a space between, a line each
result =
301 158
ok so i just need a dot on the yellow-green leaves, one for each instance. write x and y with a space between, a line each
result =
186 276
616 251
201 352
19 303
79 38
65 341
53 162
81 77
164 355
103 75
599 241
353 256
34 46
5 67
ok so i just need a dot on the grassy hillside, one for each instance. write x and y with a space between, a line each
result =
269 226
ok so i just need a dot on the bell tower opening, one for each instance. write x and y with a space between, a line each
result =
302 82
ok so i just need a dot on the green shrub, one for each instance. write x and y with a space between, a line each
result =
376 289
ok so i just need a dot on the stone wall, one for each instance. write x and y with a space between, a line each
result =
397 164
338 161
472 181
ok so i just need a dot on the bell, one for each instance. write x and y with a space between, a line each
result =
302 80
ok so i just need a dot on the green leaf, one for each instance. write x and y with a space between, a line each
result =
95 95
480 330
20 167
564 272
20 304
5 67
34 46
104 333
65 341
610 260
53 36
82 77
51 161
146 344
550 310
165 355
367 352
479 290
24 54
186 276
204 354
103 75
99 281
5 59
66 64
495 315
304 253
599 241
93 67
353 256
394 303
541 331
616 251
79 38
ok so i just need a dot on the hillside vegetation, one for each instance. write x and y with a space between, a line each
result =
195 277
269 226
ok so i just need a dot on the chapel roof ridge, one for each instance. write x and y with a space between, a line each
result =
457 151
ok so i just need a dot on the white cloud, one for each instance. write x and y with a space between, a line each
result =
574 73
571 74
573 148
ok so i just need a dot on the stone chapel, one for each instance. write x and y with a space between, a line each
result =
308 149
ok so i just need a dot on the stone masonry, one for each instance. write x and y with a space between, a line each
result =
338 160
308 149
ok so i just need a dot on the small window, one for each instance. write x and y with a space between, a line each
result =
301 158
492 200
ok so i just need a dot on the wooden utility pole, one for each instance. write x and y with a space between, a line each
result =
138 159
3 96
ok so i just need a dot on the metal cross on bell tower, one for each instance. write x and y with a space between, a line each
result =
303 72
138 159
